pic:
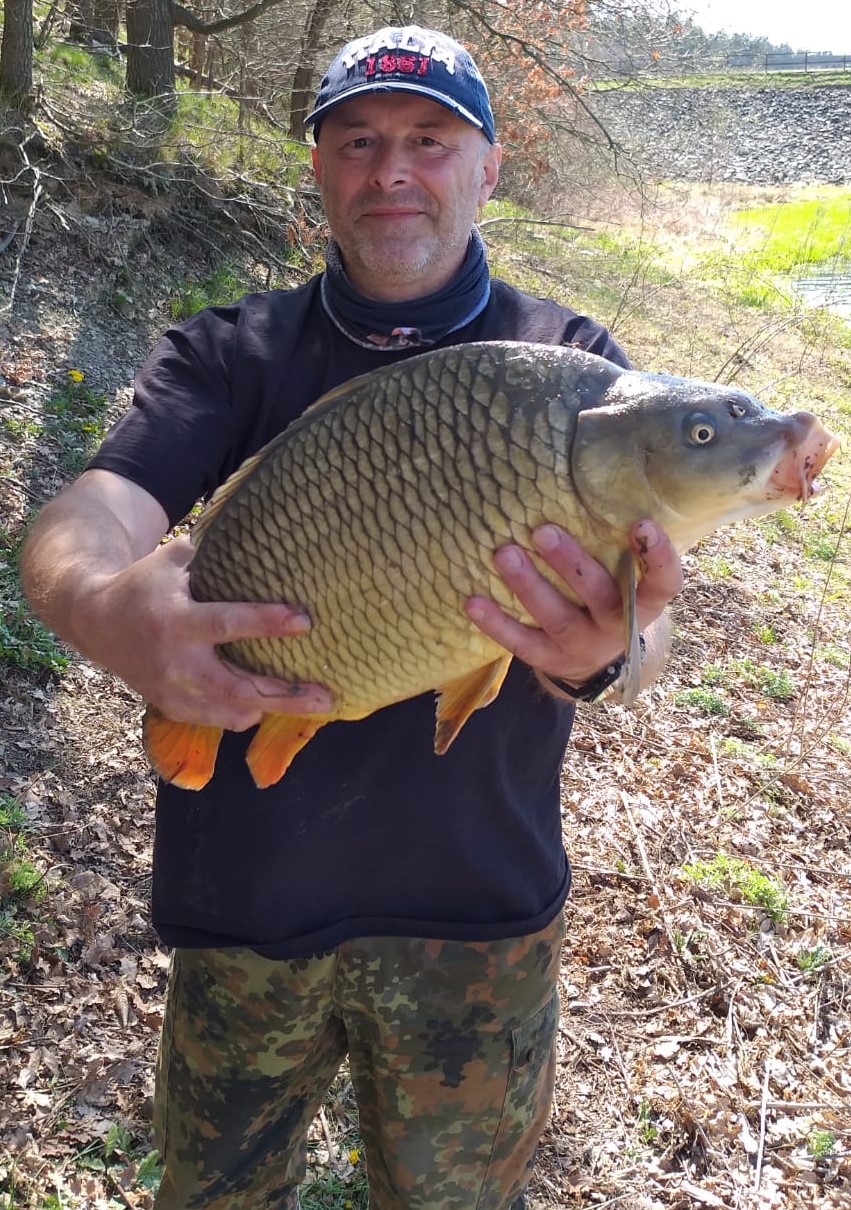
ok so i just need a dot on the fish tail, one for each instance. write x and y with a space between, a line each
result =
182 753
279 738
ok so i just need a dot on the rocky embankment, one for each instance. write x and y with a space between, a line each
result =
761 136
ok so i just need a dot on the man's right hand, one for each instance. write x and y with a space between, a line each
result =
163 643
90 573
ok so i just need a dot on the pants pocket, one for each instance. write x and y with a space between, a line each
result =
528 1098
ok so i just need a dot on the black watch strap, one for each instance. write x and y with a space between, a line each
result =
590 690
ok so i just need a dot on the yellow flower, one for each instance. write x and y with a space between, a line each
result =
354 1155
76 375
347 1205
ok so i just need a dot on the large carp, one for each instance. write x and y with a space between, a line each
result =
379 510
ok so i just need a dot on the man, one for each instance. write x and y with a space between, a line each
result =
379 901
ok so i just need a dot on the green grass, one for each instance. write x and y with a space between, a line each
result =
731 78
820 1144
21 882
334 1193
62 61
222 286
75 419
814 959
790 235
608 274
773 244
24 643
703 700
738 879
126 1156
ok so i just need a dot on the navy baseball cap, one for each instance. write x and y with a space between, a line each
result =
407 59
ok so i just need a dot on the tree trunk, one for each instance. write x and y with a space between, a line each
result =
301 93
16 52
150 48
197 58
106 22
96 21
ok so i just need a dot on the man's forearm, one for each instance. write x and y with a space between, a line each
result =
66 555
77 542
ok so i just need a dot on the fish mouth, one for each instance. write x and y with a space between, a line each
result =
809 447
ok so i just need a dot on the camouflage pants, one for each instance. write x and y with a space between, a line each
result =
451 1053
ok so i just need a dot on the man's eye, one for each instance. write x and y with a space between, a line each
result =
428 141
359 143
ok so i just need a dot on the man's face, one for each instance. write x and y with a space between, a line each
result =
401 180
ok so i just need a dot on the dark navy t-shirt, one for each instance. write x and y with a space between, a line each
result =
369 832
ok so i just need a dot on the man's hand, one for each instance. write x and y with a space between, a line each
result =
574 641
162 642
94 573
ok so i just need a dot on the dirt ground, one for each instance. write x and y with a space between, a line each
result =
706 987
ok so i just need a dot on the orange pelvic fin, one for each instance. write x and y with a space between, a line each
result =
182 753
279 738
458 700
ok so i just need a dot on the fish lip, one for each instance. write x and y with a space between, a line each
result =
810 445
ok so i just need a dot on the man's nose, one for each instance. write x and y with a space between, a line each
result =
391 167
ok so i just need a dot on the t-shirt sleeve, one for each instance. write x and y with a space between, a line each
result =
591 336
177 434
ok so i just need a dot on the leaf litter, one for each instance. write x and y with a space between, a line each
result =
705 1038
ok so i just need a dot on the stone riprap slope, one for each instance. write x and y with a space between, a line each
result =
760 136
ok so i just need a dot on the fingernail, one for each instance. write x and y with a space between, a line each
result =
475 612
546 538
647 534
509 559
297 623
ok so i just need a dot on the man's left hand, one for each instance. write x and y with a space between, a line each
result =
573 641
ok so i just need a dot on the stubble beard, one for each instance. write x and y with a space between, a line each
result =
396 258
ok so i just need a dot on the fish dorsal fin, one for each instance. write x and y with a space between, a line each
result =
279 738
458 699
182 753
224 493
234 482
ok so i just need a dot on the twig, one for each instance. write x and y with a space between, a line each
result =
762 1114
7 239
28 226
123 1193
666 1007
716 770
329 1142
648 870
22 487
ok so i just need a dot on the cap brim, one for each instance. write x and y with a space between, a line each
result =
392 86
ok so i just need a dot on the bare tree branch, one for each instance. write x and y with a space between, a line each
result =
182 16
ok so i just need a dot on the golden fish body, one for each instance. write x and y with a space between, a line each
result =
379 510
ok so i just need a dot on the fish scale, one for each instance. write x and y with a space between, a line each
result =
379 510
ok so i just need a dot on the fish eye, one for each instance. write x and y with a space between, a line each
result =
701 430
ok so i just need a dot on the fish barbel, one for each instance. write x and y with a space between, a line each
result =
378 511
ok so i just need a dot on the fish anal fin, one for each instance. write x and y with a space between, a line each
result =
630 678
458 699
279 738
182 753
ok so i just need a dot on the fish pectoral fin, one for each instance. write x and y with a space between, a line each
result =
630 678
182 753
458 699
279 738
